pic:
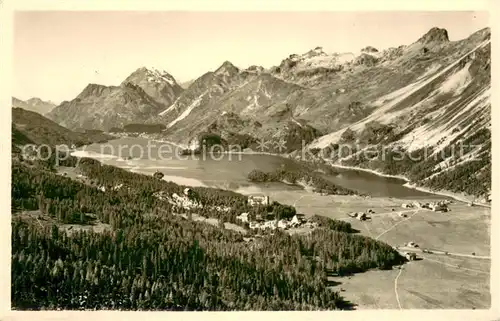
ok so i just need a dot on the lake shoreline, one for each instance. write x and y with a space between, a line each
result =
405 182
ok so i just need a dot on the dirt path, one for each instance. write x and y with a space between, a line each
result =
442 252
392 227
396 287
457 266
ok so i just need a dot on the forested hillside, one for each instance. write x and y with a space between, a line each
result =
154 260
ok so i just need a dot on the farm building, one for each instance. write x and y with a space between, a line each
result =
438 207
410 256
426 205
404 205
402 214
297 220
254 200
362 216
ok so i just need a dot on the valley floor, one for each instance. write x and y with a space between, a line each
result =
457 280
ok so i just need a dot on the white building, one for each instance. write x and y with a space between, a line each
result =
255 225
283 224
295 220
438 207
362 217
254 200
242 217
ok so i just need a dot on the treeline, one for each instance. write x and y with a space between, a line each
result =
154 260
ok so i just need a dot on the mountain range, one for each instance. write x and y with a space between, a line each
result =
431 93
34 104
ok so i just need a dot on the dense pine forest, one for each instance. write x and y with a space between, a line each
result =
150 259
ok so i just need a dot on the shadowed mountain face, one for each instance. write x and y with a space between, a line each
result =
431 93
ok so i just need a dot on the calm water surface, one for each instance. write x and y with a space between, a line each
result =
229 171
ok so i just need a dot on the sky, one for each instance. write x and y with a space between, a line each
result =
57 53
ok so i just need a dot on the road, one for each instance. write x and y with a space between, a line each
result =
442 252
396 286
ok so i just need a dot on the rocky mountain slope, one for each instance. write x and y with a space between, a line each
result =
231 101
33 104
433 93
32 128
440 121
160 85
140 96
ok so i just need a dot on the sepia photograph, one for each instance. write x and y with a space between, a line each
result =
251 160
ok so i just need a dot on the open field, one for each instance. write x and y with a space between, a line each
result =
459 280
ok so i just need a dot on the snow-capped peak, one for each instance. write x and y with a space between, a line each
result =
155 75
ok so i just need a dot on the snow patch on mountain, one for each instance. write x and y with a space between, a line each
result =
155 75
170 108
458 81
188 110
430 135
383 113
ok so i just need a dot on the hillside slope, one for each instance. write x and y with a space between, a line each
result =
443 117
32 128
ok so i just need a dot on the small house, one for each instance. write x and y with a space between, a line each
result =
439 207
295 220
402 214
410 256
362 216
404 205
